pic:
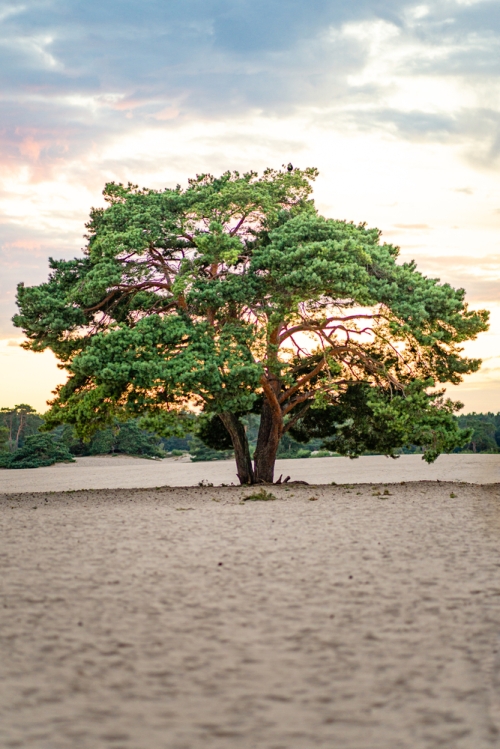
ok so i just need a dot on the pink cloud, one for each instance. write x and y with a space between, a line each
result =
24 244
126 104
169 113
31 148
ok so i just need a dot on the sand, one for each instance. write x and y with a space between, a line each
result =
331 617
105 472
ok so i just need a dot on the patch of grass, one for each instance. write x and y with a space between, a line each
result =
261 496
453 495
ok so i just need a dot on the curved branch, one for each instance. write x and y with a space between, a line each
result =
103 301
303 380
316 327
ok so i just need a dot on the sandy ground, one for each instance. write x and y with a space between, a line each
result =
104 472
333 617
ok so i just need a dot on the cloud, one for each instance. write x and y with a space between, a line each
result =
412 226
80 72
479 276
78 77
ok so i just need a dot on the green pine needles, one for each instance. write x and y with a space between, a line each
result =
38 450
233 296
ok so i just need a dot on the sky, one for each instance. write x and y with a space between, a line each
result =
397 104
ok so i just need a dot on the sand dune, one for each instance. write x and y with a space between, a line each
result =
106 472
331 617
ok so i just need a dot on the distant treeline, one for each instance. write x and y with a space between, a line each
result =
20 424
22 444
486 432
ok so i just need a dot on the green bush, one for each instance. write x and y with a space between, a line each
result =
123 437
38 450
201 452
4 439
173 444
132 440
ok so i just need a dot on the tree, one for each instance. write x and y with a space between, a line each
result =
483 430
38 450
20 422
233 296
367 419
4 439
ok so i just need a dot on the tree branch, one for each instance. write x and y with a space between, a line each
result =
303 380
319 326
295 419
238 225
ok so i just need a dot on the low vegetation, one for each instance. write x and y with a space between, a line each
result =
260 496
31 449
38 450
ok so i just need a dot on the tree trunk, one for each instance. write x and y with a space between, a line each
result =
19 430
268 441
238 436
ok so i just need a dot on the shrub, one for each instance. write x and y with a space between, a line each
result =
261 496
38 450
200 452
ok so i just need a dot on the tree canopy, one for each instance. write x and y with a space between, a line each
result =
18 423
38 450
234 296
4 439
484 431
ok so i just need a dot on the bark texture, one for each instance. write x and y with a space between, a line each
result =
244 468
268 441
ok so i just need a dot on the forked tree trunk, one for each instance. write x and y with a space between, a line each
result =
268 441
238 436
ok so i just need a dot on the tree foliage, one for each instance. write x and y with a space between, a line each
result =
212 432
484 430
38 450
121 438
19 422
366 419
234 296
4 439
